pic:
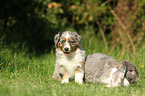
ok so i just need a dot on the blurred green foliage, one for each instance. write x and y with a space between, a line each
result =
34 22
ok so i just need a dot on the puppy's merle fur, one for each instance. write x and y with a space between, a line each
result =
70 57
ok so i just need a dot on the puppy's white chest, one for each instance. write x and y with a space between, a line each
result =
70 63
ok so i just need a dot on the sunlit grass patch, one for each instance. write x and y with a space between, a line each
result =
29 75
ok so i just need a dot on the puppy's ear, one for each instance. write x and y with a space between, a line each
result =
78 37
56 38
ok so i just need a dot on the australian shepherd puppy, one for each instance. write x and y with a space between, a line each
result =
70 57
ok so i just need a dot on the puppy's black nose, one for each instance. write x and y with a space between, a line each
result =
66 49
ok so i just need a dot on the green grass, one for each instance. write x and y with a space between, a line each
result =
25 74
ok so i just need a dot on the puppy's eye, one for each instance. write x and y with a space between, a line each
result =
60 43
72 42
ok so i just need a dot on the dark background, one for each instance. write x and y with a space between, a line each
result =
33 23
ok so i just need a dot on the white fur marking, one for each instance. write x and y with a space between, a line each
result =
108 80
113 70
67 46
125 82
65 81
67 35
79 78
119 79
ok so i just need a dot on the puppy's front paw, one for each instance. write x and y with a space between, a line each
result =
80 82
79 78
65 81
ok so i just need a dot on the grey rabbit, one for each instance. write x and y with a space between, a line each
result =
102 69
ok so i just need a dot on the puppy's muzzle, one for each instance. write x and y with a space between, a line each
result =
66 49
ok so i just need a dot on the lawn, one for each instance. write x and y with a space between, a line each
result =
26 74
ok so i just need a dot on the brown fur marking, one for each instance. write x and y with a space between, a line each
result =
65 76
81 63
77 71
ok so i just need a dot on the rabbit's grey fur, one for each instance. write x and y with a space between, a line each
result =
102 69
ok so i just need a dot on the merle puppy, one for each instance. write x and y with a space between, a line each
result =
70 57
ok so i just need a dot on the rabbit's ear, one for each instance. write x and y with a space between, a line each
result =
118 77
56 38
